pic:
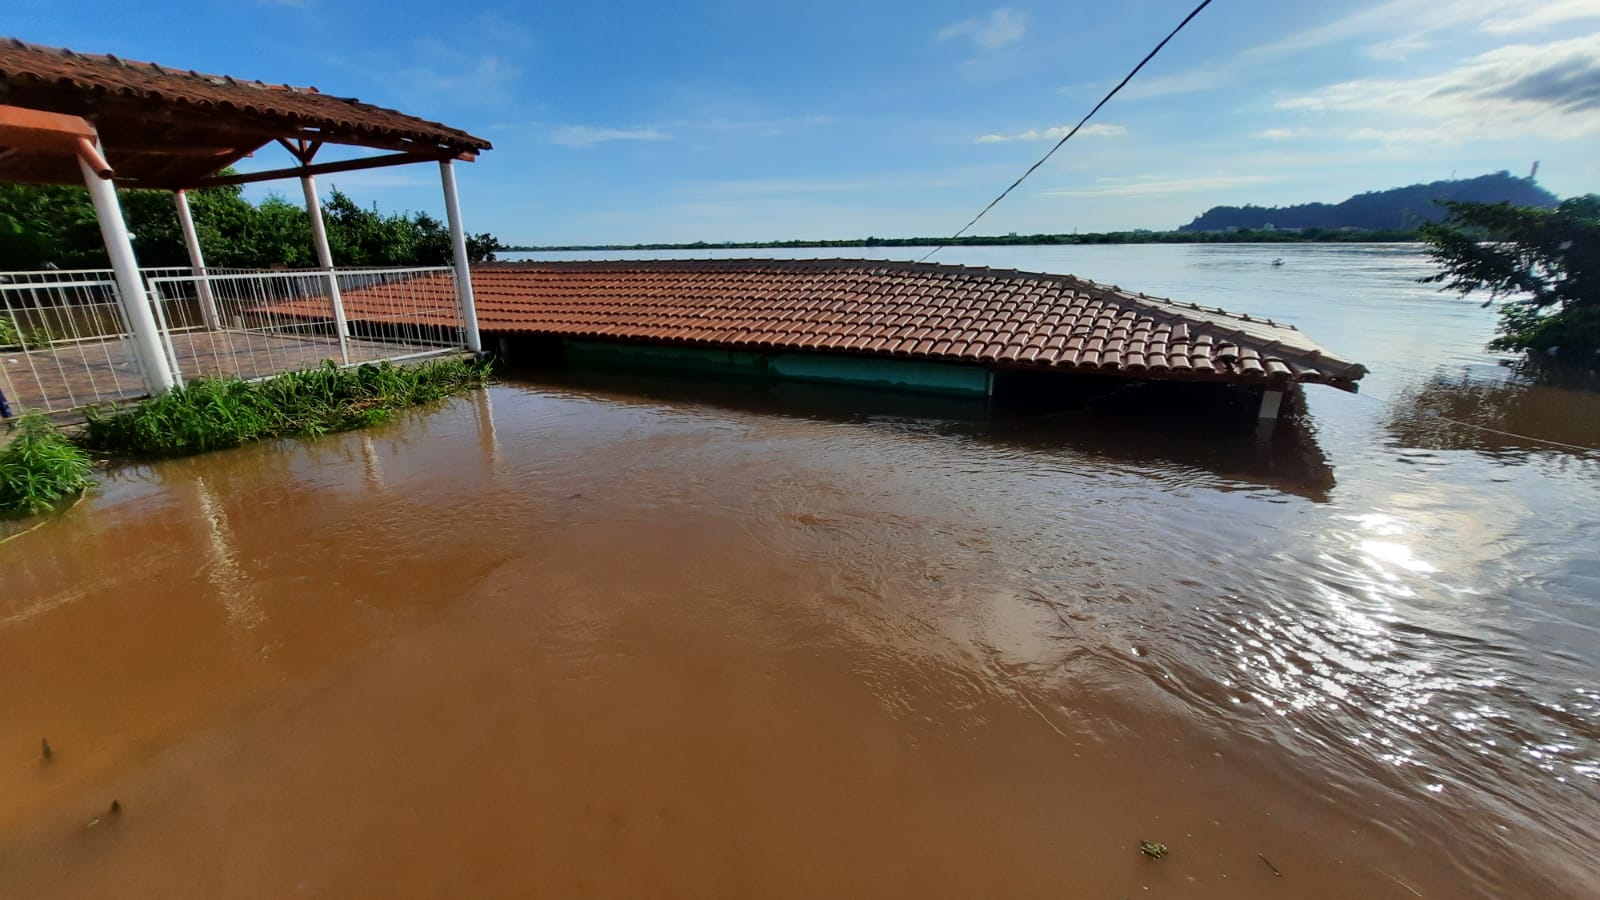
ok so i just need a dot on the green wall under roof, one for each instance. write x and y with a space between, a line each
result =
866 371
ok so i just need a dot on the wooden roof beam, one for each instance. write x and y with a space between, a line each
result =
301 149
117 148
51 133
348 165
42 132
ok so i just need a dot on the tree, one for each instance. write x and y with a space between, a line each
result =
1543 264
48 224
44 225
220 214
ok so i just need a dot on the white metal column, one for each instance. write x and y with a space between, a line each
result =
458 247
158 375
197 262
319 235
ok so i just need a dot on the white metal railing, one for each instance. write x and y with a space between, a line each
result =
62 340
65 343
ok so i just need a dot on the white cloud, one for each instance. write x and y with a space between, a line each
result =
758 127
1397 49
1153 186
491 27
586 135
1279 134
1410 20
1402 28
898 180
1544 90
1053 134
455 71
1397 20
1542 16
1001 27
1387 19
744 187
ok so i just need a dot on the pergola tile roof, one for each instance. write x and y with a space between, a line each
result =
931 312
166 127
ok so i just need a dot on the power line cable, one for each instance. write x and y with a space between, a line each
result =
1081 122
1394 406
1512 434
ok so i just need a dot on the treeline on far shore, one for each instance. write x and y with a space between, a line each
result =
1242 236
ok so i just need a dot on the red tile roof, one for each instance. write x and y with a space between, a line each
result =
139 107
998 318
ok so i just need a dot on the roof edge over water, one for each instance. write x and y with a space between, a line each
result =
1003 317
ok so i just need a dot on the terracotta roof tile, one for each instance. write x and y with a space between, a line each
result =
934 312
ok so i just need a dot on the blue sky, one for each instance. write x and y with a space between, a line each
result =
645 121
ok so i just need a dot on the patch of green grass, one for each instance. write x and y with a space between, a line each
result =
216 413
9 335
41 467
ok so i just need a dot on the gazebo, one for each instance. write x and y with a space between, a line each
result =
106 122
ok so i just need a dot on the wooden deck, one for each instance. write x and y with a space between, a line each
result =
72 376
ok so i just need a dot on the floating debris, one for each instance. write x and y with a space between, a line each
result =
1270 865
1153 849
97 821
45 749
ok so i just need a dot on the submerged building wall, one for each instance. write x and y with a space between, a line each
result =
895 374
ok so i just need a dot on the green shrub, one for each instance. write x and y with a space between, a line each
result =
13 336
1542 265
216 413
41 467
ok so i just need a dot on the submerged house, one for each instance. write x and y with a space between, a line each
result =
912 326
90 336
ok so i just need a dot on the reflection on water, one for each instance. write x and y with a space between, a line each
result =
1461 412
614 636
1195 444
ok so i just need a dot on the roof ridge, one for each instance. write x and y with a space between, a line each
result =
124 63
1161 303
54 71
1160 306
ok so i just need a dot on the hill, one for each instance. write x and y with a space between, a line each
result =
1396 208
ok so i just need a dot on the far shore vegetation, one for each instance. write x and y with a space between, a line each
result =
1241 236
54 225
1395 215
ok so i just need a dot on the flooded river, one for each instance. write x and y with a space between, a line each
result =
618 637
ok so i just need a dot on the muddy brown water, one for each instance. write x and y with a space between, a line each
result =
585 636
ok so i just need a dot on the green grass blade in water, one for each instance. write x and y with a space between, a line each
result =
40 468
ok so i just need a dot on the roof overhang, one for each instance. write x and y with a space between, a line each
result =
171 129
51 135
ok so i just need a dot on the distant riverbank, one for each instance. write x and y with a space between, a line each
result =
1242 236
